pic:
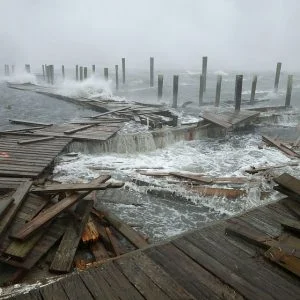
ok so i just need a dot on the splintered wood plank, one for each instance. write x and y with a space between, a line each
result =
65 254
125 230
215 119
18 197
25 122
90 232
161 278
57 188
114 242
30 141
241 285
110 112
282 147
140 280
99 251
289 182
284 260
218 192
293 206
199 178
255 170
291 225
287 192
48 215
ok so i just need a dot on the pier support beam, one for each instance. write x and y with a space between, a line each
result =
93 69
123 69
63 71
81 73
204 71
289 91
12 69
253 89
218 90
47 73
27 68
277 76
106 74
175 90
44 74
160 83
76 72
117 76
238 92
151 71
201 90
85 73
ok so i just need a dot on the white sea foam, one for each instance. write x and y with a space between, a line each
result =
220 72
20 77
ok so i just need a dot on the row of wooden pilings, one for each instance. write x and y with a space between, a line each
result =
81 73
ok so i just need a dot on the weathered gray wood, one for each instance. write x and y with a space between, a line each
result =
117 76
238 92
253 88
277 76
175 90
123 69
160 83
30 141
71 131
30 123
81 73
201 90
289 182
204 71
151 71
65 254
110 112
5 203
289 91
218 90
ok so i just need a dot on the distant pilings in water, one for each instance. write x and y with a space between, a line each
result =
106 74
6 70
117 76
13 69
94 69
218 90
44 73
175 90
289 91
151 71
27 68
76 72
201 90
253 89
85 72
277 76
49 73
204 71
160 83
81 73
238 92
63 71
123 70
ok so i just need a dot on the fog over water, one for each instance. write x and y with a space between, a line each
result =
234 34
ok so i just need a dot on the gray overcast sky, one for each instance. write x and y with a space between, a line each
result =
234 34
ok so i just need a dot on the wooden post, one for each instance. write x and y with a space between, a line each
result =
52 73
76 72
175 90
201 90
289 91
47 74
123 69
204 71
85 72
277 75
151 71
238 92
63 71
117 76
218 90
27 68
81 73
253 88
160 83
93 69
106 74
13 69
43 68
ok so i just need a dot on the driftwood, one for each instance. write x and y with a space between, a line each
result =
255 170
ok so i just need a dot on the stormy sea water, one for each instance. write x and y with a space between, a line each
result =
140 204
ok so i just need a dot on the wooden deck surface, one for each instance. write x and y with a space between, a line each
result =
203 264
27 160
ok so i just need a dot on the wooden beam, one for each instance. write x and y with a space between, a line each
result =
30 141
289 182
71 131
199 178
24 122
65 253
5 203
110 112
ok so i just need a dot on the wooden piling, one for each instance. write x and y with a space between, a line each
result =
93 69
43 68
6 70
76 71
289 91
52 74
117 76
151 71
47 73
238 92
201 90
81 73
253 88
160 83
175 90
63 71
106 74
123 69
204 71
27 68
277 76
85 73
218 90
13 69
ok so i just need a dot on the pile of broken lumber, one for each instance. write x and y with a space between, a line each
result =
58 226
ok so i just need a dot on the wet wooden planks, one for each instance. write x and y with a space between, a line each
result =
27 160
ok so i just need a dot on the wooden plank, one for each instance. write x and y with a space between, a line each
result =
218 192
99 251
57 188
11 131
18 197
124 229
291 225
114 243
47 215
289 182
30 141
199 178
293 206
255 170
5 203
240 284
53 291
286 150
215 120
65 254
140 280
24 122
71 131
